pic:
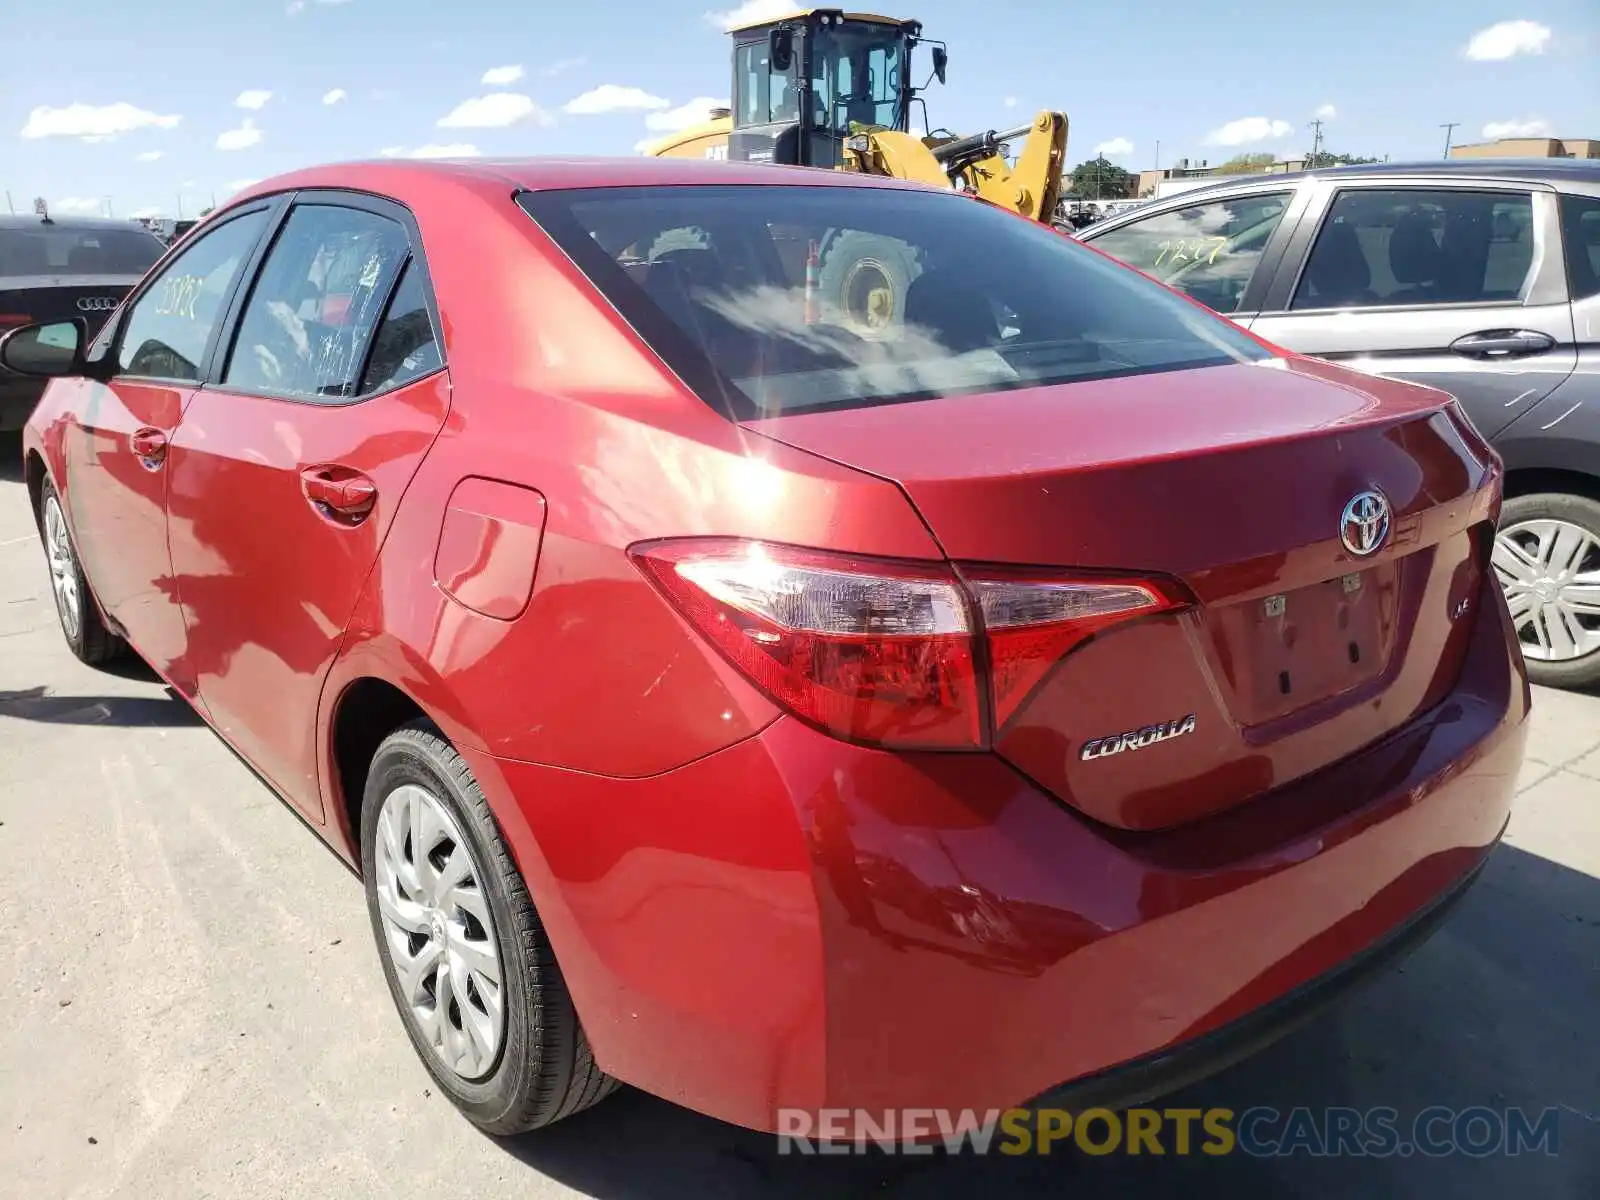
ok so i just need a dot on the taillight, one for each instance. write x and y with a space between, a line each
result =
885 651
12 320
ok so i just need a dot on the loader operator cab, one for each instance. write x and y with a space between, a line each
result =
801 82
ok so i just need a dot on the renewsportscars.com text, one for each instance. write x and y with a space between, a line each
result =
1261 1131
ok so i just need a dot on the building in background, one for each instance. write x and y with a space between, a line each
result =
1530 148
1183 175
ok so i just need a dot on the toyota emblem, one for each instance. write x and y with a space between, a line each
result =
97 303
1364 524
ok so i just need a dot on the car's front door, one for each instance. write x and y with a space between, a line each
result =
117 460
286 472
1460 287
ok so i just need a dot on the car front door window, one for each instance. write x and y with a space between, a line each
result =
169 327
1207 251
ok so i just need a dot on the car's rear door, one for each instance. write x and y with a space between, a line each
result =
117 459
1458 285
287 471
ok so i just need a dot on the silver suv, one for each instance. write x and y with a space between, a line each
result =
1478 277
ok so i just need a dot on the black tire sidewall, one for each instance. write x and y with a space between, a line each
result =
844 250
426 762
88 611
1577 510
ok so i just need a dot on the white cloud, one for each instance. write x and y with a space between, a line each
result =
609 97
1010 101
296 6
494 111
1117 147
1326 113
145 213
254 98
239 185
453 150
92 122
1533 127
392 151
78 204
147 155
189 183
245 136
501 76
1249 129
685 115
643 145
1507 39
563 65
750 12
334 95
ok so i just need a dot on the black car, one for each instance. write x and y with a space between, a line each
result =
59 268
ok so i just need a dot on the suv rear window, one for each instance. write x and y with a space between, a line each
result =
774 299
47 251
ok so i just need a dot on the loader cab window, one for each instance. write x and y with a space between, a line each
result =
856 76
766 96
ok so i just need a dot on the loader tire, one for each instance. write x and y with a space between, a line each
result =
865 275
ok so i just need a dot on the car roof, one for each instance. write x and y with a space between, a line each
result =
1529 170
29 221
550 174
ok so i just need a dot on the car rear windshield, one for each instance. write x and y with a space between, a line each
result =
775 299
47 251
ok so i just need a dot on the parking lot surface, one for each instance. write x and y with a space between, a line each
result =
194 1006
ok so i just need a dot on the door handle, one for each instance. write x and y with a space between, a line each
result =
1502 343
340 494
149 447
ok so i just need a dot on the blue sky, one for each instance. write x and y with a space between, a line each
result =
147 103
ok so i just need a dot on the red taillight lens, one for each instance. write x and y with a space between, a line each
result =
883 651
12 320
1031 624
870 651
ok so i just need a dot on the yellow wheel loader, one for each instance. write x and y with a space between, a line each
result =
830 89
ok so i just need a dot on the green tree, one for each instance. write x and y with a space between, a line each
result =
1323 159
1100 178
1245 164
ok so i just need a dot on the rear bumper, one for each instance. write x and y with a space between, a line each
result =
798 923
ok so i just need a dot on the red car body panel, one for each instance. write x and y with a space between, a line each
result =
751 914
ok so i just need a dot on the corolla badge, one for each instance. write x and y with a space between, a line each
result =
1364 524
1136 739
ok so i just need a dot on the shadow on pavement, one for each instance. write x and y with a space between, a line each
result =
10 458
1497 1010
35 704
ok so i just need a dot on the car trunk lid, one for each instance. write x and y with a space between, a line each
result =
1295 652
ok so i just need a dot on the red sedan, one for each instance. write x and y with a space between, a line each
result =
743 671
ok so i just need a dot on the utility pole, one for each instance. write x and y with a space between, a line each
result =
1158 154
10 207
1316 141
1449 128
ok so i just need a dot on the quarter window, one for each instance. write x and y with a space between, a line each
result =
313 310
405 348
1207 251
170 325
1580 227
1410 247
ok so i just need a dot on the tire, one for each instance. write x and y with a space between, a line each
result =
541 1068
77 611
866 276
1530 523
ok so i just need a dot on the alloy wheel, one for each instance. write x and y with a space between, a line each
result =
1550 570
438 932
63 568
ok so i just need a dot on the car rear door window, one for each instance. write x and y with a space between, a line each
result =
169 327
311 315
1207 251
406 346
1413 247
1580 231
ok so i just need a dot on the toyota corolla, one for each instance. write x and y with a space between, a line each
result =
931 691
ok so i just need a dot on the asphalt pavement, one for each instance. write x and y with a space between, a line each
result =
194 1007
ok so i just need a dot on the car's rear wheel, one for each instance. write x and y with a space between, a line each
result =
86 634
467 959
1547 557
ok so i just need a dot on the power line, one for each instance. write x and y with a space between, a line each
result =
1449 128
